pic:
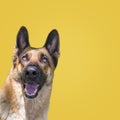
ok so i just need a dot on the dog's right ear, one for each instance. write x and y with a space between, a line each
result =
22 40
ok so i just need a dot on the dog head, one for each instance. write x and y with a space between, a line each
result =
35 66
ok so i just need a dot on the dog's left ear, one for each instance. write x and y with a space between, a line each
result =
22 40
52 45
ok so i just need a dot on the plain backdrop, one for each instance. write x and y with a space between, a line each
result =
87 79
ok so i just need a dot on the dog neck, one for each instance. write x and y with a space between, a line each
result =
22 108
37 108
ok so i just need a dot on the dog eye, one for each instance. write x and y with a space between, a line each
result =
44 59
25 57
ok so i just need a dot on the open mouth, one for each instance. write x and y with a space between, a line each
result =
31 89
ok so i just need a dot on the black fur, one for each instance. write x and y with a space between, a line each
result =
52 45
22 40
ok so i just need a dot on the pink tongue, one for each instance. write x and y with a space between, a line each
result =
31 88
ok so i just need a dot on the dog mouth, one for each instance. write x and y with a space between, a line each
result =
31 89
33 79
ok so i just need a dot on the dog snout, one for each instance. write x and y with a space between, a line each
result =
32 72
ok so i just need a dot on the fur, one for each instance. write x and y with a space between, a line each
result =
13 103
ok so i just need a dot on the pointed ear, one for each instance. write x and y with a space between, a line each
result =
22 40
52 45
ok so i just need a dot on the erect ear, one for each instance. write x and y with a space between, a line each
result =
22 40
52 45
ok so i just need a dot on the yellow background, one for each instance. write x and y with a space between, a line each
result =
87 80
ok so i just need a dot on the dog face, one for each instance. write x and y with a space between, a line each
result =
35 66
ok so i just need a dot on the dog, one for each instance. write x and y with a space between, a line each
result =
26 92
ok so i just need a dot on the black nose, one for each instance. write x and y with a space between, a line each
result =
32 72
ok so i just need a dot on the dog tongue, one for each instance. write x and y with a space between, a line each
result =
31 88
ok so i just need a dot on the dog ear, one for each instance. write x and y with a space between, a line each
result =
52 45
22 40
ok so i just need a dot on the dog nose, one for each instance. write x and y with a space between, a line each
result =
32 72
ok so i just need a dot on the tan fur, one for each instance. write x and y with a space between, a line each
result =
13 106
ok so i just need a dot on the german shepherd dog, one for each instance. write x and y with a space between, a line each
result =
26 92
